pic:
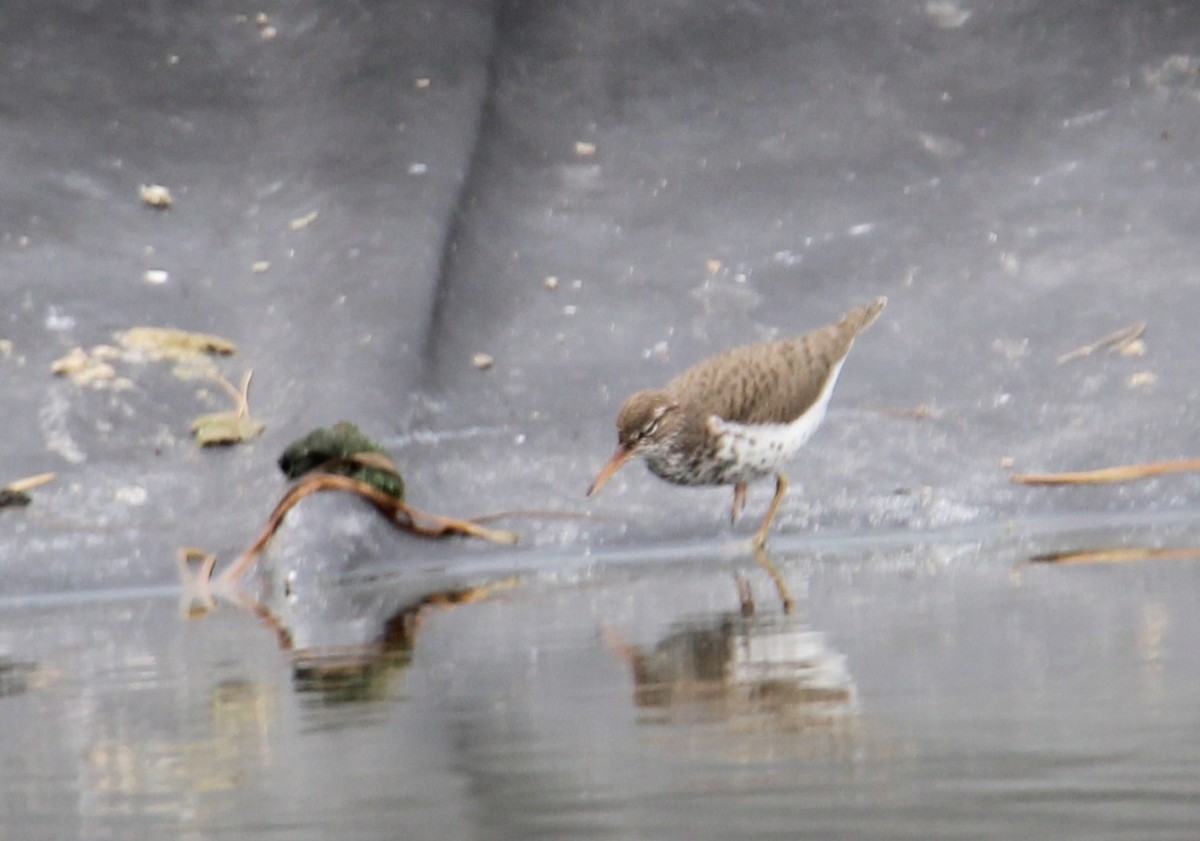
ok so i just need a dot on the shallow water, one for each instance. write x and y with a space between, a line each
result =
917 692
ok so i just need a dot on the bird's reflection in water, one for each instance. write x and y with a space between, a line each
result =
751 672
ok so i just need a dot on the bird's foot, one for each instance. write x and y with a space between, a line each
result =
785 596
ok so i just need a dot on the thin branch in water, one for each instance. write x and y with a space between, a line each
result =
1117 556
1109 475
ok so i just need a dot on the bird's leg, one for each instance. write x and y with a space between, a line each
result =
763 559
739 501
781 489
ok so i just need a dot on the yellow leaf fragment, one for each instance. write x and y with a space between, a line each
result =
84 369
225 428
159 343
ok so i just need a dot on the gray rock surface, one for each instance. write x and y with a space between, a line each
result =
1019 181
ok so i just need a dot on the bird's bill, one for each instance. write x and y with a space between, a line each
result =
618 460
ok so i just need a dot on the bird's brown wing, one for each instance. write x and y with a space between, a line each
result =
771 382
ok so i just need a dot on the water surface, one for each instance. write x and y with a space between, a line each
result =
917 692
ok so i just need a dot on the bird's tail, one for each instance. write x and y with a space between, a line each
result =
860 318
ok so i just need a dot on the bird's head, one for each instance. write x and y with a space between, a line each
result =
646 421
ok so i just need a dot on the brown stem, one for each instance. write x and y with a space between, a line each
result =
400 515
1108 475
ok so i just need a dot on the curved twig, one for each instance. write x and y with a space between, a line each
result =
399 514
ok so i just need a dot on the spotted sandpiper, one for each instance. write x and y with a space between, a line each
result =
738 416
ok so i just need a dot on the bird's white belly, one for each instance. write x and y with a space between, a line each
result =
752 451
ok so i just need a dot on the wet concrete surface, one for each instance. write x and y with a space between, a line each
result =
596 195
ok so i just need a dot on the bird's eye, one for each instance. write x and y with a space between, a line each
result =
649 429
